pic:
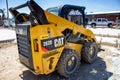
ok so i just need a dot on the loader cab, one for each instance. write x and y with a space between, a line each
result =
70 12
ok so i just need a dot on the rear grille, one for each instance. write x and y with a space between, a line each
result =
24 45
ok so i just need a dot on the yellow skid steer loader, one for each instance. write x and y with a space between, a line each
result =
53 39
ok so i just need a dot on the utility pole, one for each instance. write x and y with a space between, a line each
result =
7 13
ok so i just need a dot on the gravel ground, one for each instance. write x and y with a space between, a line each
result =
106 67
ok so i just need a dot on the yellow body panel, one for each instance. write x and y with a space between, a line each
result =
50 63
73 46
62 24
46 61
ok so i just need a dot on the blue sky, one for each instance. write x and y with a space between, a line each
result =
91 5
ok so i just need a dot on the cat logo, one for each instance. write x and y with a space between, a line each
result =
59 42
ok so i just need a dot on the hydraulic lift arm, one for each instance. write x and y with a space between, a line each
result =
35 9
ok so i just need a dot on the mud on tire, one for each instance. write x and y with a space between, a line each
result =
68 63
89 52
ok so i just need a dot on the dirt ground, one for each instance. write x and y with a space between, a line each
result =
106 67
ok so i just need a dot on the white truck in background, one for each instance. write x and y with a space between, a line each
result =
101 22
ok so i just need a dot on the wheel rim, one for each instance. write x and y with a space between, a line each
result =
110 25
71 64
93 25
92 51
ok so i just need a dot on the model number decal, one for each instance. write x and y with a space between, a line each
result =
53 43
47 43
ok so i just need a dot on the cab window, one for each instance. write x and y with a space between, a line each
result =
53 10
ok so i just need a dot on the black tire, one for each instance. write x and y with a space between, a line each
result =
93 25
110 25
68 63
19 17
89 52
